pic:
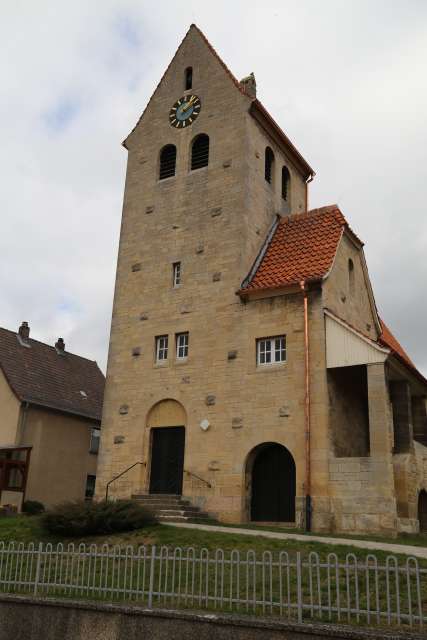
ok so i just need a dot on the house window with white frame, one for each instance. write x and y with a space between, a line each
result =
182 346
95 436
162 348
271 350
176 274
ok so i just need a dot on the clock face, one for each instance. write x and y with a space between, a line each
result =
184 111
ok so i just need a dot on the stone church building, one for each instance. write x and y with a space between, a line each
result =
249 370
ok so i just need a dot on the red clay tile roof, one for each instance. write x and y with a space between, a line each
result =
303 247
388 340
39 375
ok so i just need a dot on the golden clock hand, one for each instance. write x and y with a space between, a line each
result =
189 103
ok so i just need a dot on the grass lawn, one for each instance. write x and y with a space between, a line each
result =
410 539
124 575
28 529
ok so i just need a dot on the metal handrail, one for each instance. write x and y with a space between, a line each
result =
107 487
198 477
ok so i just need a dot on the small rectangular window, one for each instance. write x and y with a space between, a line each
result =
162 348
176 271
181 346
95 436
90 486
271 350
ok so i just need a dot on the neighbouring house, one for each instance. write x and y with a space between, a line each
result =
248 368
50 416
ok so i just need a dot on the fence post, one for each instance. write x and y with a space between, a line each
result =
299 586
38 565
151 583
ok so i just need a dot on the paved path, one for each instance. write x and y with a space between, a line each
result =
419 552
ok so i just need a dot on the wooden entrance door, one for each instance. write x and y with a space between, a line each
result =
273 485
167 460
422 510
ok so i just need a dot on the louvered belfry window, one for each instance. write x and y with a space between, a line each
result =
200 152
285 182
269 160
167 161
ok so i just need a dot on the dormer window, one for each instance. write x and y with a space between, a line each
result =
188 78
269 163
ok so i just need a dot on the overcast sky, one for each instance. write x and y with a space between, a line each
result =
345 79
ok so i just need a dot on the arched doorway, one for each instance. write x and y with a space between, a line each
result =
167 444
422 510
273 482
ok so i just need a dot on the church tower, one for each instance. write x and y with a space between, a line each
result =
208 174
248 369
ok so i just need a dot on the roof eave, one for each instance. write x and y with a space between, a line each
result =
47 405
261 115
280 289
410 368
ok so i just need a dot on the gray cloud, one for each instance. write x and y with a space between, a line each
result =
346 81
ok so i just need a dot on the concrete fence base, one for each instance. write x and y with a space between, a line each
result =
25 618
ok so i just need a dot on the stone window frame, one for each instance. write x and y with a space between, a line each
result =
167 162
199 154
182 345
269 164
162 348
176 274
286 183
271 351
188 79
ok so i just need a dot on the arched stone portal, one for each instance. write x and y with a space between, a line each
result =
422 510
167 420
272 483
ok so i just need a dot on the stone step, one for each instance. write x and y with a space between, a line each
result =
156 496
170 507
164 505
178 518
191 513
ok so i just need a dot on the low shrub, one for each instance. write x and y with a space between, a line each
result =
92 518
95 518
32 507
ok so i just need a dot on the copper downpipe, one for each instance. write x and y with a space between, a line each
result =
307 411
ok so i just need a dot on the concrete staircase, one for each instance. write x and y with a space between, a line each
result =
171 508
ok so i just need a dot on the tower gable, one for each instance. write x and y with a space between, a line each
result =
212 81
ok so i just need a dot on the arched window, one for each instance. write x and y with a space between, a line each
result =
269 162
167 161
351 275
200 152
188 78
286 178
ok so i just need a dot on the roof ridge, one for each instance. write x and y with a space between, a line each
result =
51 346
313 212
220 60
